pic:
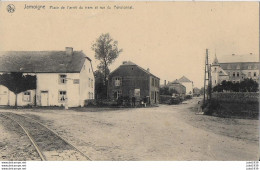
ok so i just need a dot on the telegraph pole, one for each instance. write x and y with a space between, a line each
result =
206 78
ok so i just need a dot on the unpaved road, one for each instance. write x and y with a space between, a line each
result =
161 133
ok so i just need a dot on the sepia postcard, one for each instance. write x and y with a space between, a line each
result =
129 81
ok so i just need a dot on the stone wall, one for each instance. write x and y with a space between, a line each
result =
235 105
237 97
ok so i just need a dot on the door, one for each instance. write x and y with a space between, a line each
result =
44 98
155 97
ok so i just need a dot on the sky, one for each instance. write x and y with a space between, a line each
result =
169 38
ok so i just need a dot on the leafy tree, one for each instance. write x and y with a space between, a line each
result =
106 51
167 91
100 89
247 85
17 82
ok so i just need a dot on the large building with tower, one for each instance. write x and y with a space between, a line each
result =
235 68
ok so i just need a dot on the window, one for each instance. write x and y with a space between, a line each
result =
152 81
237 74
118 81
234 74
76 81
249 67
89 82
62 79
92 83
117 94
89 95
249 74
238 67
62 96
137 93
254 74
27 96
152 95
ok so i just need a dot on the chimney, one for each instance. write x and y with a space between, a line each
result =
233 54
148 69
124 62
69 51
165 82
251 53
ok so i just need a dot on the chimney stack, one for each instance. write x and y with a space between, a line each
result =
148 69
165 82
124 62
69 51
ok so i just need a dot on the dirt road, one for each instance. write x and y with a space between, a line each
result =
167 132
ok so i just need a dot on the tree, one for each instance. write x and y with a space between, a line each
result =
106 51
100 89
17 82
247 85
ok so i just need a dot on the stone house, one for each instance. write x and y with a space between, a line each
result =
177 86
63 77
131 80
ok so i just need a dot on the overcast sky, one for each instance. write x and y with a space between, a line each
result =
168 37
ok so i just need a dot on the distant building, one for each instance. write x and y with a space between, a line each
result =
235 68
188 85
177 86
63 77
131 80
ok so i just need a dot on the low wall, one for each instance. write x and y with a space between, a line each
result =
236 105
237 97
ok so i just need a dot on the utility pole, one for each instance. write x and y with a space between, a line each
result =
206 78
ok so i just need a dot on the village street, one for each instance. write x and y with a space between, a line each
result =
167 132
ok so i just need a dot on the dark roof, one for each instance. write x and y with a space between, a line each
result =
215 62
176 82
240 66
130 63
184 79
41 61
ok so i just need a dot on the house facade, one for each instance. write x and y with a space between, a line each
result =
177 86
236 68
63 77
131 80
188 84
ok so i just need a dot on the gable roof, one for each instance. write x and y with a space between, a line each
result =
222 72
184 79
215 62
42 61
176 82
240 66
130 63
